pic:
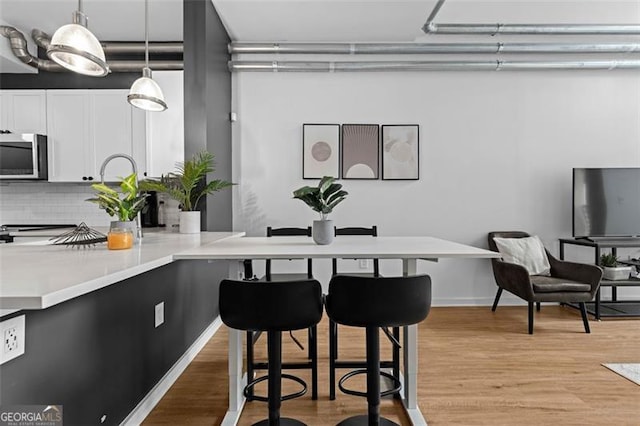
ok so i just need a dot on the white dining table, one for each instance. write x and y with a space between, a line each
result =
407 248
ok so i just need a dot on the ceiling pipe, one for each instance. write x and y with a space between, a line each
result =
421 48
19 48
330 66
433 14
533 29
43 40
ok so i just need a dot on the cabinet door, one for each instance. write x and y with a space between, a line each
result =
69 142
24 111
165 130
111 117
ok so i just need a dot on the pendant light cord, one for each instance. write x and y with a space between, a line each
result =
146 33
80 6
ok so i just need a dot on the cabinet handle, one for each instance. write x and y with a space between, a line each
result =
145 173
84 178
90 177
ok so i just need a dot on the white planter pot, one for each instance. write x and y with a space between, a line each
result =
130 224
322 232
189 222
617 273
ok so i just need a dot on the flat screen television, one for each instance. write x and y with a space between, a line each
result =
606 202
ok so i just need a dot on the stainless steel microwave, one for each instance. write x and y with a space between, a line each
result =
23 156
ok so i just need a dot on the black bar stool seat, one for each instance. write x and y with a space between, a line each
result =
371 303
272 308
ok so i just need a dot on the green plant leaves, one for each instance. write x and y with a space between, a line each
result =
322 198
187 185
125 208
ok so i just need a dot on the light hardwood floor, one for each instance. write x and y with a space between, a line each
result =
476 368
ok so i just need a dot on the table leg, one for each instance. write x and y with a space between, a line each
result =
410 363
237 380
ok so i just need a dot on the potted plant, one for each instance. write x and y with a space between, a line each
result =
187 186
124 204
322 199
612 268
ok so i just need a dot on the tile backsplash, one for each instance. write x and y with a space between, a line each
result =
57 203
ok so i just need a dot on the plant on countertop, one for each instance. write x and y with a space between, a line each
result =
608 260
124 204
322 198
187 185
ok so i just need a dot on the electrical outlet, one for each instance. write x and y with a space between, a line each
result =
12 332
159 314
363 263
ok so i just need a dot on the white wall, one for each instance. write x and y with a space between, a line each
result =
496 153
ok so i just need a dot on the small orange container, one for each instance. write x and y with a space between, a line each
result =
119 239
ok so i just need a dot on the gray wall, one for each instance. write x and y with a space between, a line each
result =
207 102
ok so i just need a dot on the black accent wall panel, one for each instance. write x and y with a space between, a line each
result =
100 354
207 102
67 80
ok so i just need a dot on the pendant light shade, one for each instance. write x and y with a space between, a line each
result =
145 93
74 47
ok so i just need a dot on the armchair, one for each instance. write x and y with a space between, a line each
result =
568 282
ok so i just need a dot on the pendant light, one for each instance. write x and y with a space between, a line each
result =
74 47
145 93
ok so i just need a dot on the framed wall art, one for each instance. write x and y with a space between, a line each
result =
320 150
360 151
400 152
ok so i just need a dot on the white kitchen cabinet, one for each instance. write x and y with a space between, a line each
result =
68 136
23 111
165 130
87 126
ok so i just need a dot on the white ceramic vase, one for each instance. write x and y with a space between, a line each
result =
322 232
189 222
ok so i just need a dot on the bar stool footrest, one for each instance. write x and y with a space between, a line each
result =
249 388
395 382
363 420
284 421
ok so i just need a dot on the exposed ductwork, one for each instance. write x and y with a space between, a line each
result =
19 48
429 48
488 65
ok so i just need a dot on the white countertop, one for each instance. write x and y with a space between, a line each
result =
37 276
423 247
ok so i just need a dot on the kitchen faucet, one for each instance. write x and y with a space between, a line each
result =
135 170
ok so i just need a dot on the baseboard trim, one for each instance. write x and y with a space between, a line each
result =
506 299
147 404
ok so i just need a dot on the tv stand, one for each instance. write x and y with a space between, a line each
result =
614 307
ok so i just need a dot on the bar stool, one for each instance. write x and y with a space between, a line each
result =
312 332
273 308
374 302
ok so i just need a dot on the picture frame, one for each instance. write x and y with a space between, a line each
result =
320 150
400 152
360 151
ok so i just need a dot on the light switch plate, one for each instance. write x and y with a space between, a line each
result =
159 314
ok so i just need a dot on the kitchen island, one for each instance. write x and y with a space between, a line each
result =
93 341
38 275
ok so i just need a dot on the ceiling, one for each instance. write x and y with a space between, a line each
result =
307 20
